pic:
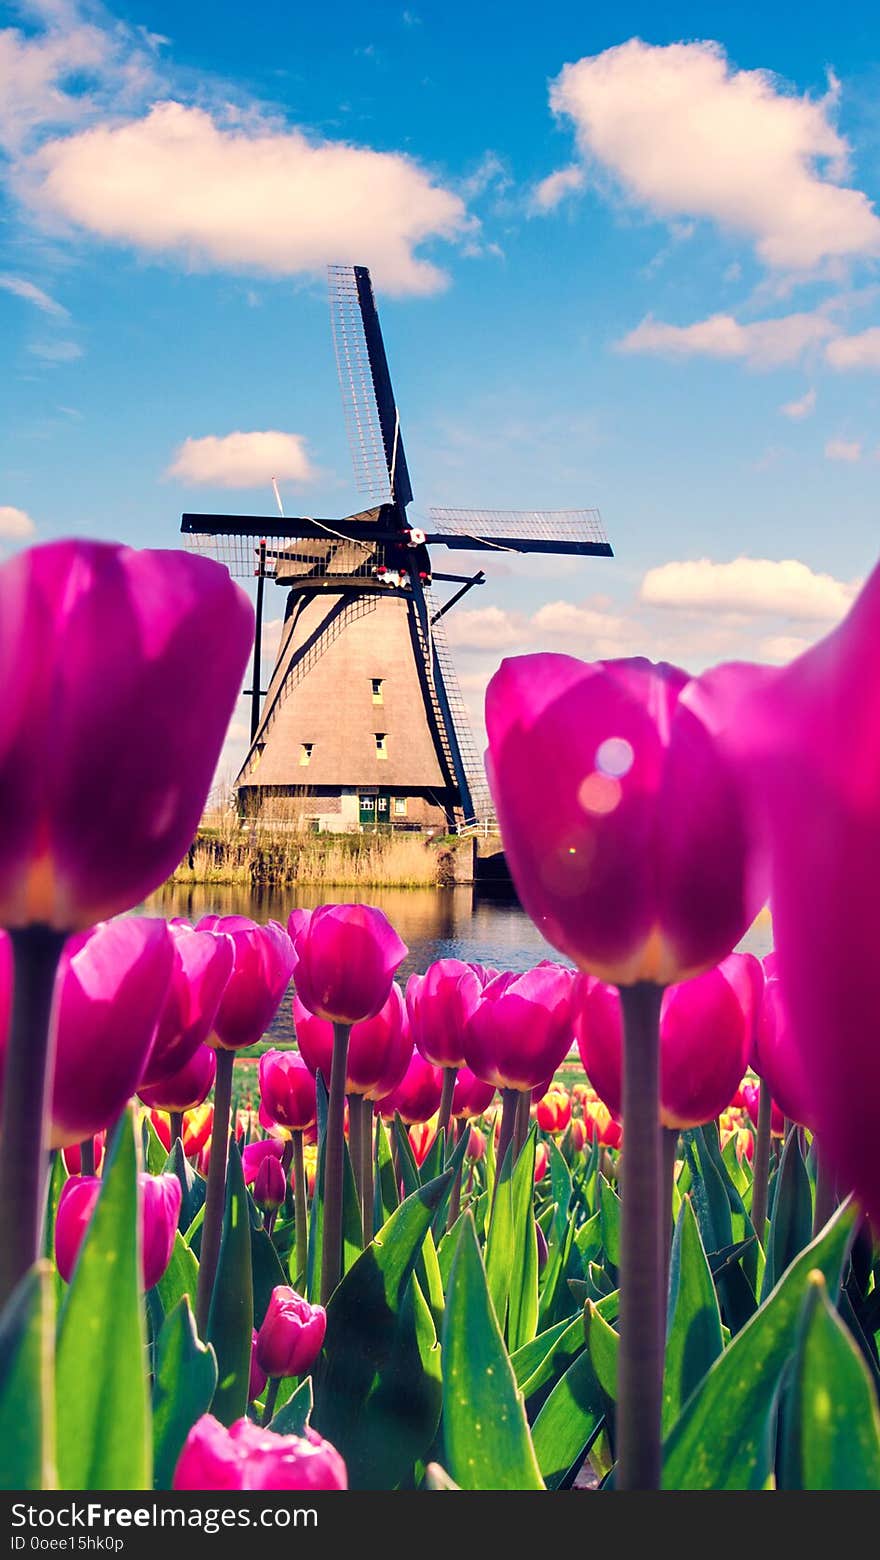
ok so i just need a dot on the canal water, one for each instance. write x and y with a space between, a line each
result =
435 923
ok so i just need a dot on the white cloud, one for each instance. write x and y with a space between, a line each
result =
247 195
685 133
484 628
761 344
798 410
751 586
548 194
242 460
849 450
15 523
56 351
860 351
21 288
782 647
604 632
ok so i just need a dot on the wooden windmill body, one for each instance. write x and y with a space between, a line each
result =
362 723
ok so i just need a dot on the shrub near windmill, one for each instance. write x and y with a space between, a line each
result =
363 718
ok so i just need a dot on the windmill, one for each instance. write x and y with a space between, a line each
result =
363 714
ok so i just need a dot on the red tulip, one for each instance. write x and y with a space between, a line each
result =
202 966
600 1126
379 1048
417 1096
553 1111
185 1089
422 1137
159 1198
439 1004
346 959
287 1091
542 1161
73 1158
110 990
197 1125
624 824
244 1457
263 961
292 1334
121 670
705 1036
521 1028
471 1096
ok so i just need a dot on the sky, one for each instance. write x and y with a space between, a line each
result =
625 257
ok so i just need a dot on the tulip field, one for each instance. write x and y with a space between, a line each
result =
601 1226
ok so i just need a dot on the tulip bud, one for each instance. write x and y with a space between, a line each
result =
345 960
270 1184
292 1334
263 961
439 1004
421 1137
159 1199
245 1457
254 1154
287 1090
521 1028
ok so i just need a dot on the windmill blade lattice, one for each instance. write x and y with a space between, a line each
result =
356 382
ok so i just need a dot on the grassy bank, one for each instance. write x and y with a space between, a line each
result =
328 860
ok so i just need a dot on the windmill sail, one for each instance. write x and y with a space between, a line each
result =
371 415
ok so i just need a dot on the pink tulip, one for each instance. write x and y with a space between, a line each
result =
110 991
752 1099
777 1060
521 1028
287 1091
121 670
292 1334
187 1087
202 966
439 1004
624 826
254 1155
159 1198
346 959
476 1148
263 961
472 1096
270 1184
705 1038
258 1378
379 1048
417 1096
244 1457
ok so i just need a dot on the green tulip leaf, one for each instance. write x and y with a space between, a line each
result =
485 1433
231 1316
185 1379
792 1222
293 1416
352 1223
192 1185
832 1424
527 1360
155 1152
27 1412
512 1248
267 1272
569 1421
385 1194
609 1208
181 1277
102 1404
693 1335
723 1439
603 1347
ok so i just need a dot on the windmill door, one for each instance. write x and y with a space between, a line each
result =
383 809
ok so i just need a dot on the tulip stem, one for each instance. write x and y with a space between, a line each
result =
271 1395
521 1122
761 1167
455 1194
27 1083
301 1207
509 1102
826 1194
87 1156
366 1109
334 1164
449 1076
215 1191
176 1117
642 1268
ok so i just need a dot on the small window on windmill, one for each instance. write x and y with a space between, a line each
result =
305 752
377 685
381 745
400 806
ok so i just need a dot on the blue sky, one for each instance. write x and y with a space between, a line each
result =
625 257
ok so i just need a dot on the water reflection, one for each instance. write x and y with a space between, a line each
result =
435 923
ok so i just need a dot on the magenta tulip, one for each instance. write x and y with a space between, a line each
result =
439 1004
270 1185
521 1028
254 1154
203 963
258 1378
159 1198
417 1096
5 986
777 1060
705 1039
121 670
472 1096
244 1457
752 1101
287 1090
291 1335
262 965
627 834
379 1048
346 959
110 992
185 1089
